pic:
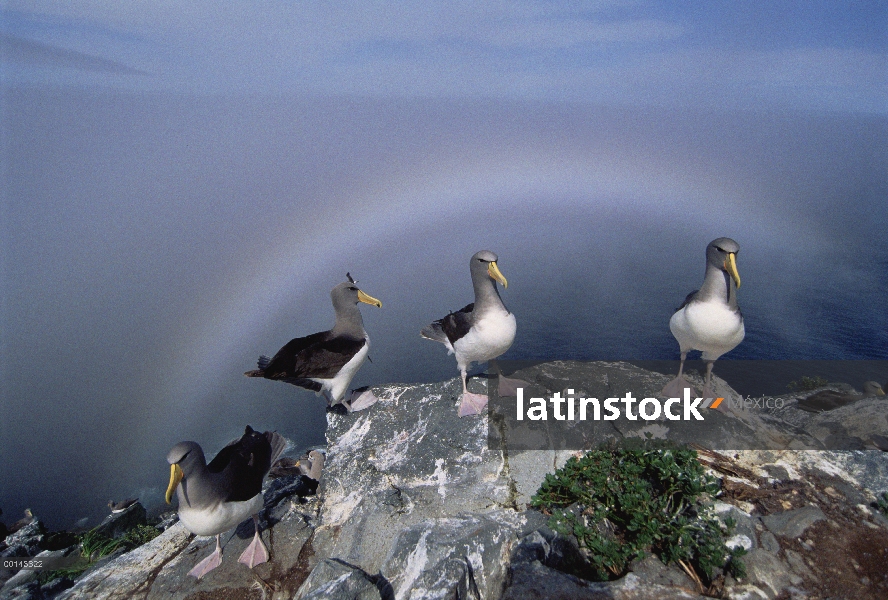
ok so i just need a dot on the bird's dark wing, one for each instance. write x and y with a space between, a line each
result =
688 299
243 464
320 356
457 324
283 364
325 359
452 327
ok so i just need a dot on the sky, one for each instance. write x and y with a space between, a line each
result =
181 187
801 55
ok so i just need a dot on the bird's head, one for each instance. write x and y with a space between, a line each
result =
722 254
485 262
348 292
183 458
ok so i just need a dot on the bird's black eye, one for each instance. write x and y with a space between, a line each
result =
353 288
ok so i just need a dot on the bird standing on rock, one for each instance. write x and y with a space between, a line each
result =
23 522
709 319
215 497
326 362
122 505
479 332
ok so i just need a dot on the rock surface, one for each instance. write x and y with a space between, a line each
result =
116 525
413 504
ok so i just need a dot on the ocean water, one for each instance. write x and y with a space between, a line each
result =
155 247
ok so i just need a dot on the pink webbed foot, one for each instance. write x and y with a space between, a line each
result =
361 401
676 388
255 554
472 404
207 564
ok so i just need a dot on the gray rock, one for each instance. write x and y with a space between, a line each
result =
418 503
850 427
27 591
26 576
116 525
652 570
26 541
768 542
335 580
777 472
452 557
406 460
528 468
793 523
534 580
766 573
132 573
22 578
797 564
735 429
167 520
743 534
55 587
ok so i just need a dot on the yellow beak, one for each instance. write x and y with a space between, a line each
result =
494 273
369 299
176 476
731 268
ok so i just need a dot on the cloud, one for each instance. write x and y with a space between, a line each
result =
620 52
28 53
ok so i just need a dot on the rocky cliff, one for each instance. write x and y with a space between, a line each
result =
413 504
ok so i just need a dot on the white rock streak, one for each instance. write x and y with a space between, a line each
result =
416 563
441 475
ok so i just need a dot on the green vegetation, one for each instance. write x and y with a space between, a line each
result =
94 545
882 503
806 384
138 535
621 502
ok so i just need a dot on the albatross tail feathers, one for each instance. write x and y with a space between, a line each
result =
278 445
435 333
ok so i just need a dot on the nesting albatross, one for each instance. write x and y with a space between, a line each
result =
326 362
709 319
479 332
215 497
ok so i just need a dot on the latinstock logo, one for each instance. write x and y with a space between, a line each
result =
571 408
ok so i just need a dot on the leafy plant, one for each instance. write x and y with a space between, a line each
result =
138 535
621 502
806 384
882 503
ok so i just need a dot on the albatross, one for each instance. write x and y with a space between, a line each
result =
215 497
709 319
122 505
479 332
326 362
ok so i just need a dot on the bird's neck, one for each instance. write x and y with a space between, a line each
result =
348 322
486 295
718 285
194 496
